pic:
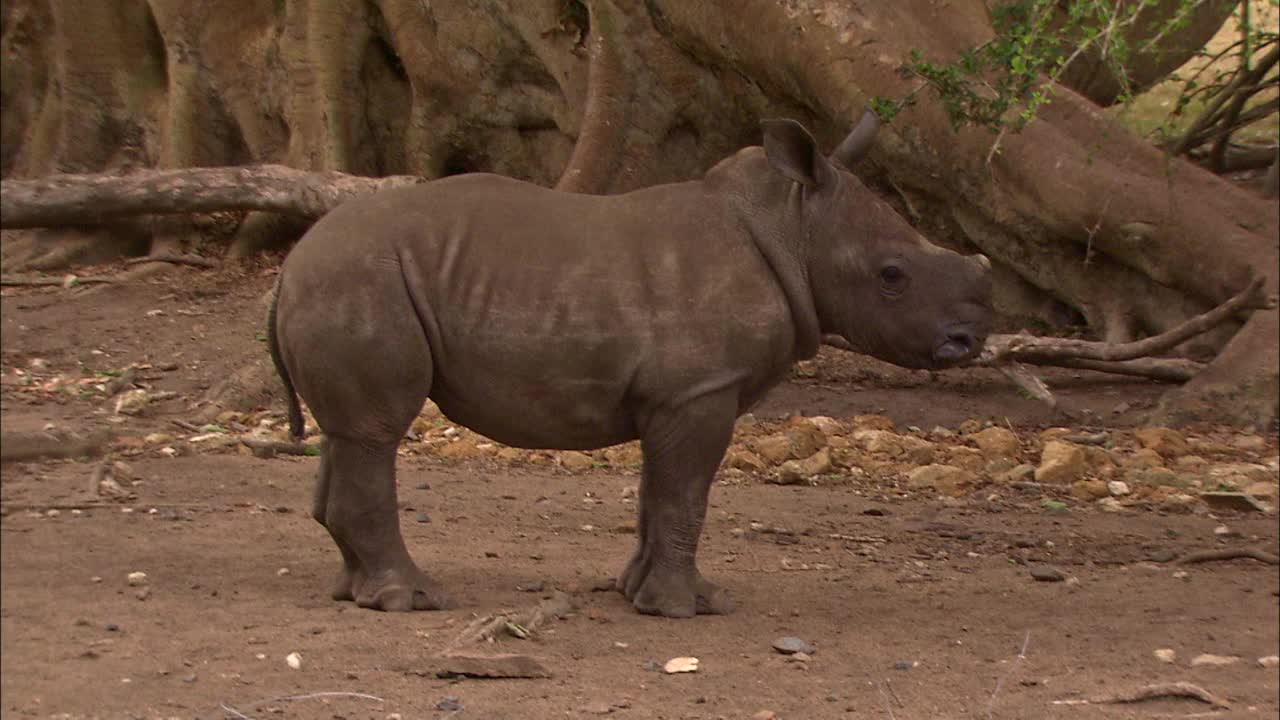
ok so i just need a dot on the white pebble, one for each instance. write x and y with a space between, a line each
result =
1269 661
293 660
282 571
137 578
1216 660
681 665
1166 655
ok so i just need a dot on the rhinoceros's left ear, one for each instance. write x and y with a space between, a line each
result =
793 152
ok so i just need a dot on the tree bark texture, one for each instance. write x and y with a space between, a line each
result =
611 95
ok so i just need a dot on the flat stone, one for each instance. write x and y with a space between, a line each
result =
1232 501
491 666
997 442
790 645
1046 573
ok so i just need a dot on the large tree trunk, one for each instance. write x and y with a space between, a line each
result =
612 95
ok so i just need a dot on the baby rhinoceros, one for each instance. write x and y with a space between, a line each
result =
551 320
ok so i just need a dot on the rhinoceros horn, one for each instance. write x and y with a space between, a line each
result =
853 147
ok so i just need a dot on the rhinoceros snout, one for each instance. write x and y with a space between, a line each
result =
958 344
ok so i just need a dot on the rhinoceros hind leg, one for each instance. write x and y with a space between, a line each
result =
682 450
361 515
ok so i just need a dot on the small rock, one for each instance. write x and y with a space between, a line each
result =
997 442
422 486
1118 488
1255 443
1046 573
1110 505
143 594
293 660
828 426
449 704
1089 489
282 572
946 479
463 449
1155 477
1263 491
597 708
1166 655
872 422
1087 438
905 664
776 449
794 472
1143 458
576 462
680 665
1214 660
132 402
158 438
1166 441
1269 661
1061 463
1019 473
790 645
624 456
744 460
765 715
137 578
422 517
1163 555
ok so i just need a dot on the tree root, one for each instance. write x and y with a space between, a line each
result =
1153 692
1229 554
173 259
600 135
69 281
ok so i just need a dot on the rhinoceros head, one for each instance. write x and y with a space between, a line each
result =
875 280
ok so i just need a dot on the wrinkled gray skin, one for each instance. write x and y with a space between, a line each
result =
552 320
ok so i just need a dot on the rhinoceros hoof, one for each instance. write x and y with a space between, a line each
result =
397 591
663 595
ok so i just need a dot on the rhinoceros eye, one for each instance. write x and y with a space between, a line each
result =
892 279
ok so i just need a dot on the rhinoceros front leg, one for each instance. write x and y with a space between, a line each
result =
360 512
682 450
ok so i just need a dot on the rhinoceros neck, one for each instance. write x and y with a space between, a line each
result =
773 217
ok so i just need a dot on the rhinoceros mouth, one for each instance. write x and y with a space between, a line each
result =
958 344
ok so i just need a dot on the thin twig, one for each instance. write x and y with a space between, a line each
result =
292 698
991 704
885 697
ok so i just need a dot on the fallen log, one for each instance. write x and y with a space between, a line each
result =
62 200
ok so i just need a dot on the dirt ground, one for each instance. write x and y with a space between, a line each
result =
920 604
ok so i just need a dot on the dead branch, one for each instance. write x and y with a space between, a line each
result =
1005 351
1153 692
522 625
1229 554
67 282
192 260
1047 351
91 199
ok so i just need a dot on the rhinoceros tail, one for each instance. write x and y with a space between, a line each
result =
297 426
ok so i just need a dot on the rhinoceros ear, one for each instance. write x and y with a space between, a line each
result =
792 151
